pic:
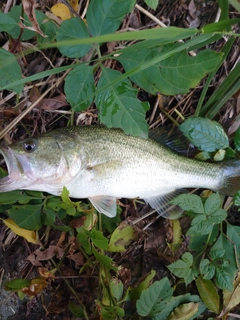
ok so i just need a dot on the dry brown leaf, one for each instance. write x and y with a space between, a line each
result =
29 8
38 255
54 103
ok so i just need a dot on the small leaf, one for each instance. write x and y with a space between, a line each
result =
116 287
119 106
109 312
30 236
135 293
200 225
223 279
208 294
98 239
205 134
212 203
104 17
189 202
16 284
79 85
183 268
152 3
104 260
121 238
207 269
27 216
10 70
73 29
184 311
237 139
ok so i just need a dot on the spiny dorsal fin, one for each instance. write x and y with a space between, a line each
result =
172 138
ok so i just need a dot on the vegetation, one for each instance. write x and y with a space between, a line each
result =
120 72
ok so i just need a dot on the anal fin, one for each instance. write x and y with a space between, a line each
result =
162 206
105 204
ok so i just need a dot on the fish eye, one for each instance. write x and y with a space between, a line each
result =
29 145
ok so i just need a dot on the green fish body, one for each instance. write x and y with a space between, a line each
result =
104 164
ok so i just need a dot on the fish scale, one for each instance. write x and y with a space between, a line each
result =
104 164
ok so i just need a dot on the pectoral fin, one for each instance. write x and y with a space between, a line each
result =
105 204
162 206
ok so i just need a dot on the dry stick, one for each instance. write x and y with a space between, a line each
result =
25 112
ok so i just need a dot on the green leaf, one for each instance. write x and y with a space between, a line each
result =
152 299
233 233
207 269
205 134
183 268
9 25
105 16
121 238
27 216
119 106
104 260
212 204
98 239
237 139
223 279
184 311
189 202
109 312
84 241
236 199
48 28
10 70
116 287
18 196
73 29
229 256
174 75
208 294
200 225
152 3
235 4
16 284
135 293
79 85
218 216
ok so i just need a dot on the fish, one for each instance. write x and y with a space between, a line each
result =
104 165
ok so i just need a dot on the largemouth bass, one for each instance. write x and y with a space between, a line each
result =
104 164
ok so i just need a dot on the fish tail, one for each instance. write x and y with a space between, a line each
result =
231 178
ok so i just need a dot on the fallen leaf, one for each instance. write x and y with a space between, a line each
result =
29 8
61 10
39 255
29 235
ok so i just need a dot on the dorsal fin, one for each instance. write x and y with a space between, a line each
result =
172 138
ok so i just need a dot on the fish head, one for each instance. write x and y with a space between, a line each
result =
45 163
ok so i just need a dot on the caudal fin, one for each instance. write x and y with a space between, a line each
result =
231 178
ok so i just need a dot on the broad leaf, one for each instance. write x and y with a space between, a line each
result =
207 269
116 287
189 202
208 294
183 268
205 134
10 70
9 25
174 75
119 106
27 216
105 16
98 239
153 297
104 260
73 29
79 85
184 311
29 235
212 203
152 3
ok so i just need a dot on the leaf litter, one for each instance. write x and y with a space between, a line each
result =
146 249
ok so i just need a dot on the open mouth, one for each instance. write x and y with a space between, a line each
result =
13 168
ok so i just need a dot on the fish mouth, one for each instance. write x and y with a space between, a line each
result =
15 167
